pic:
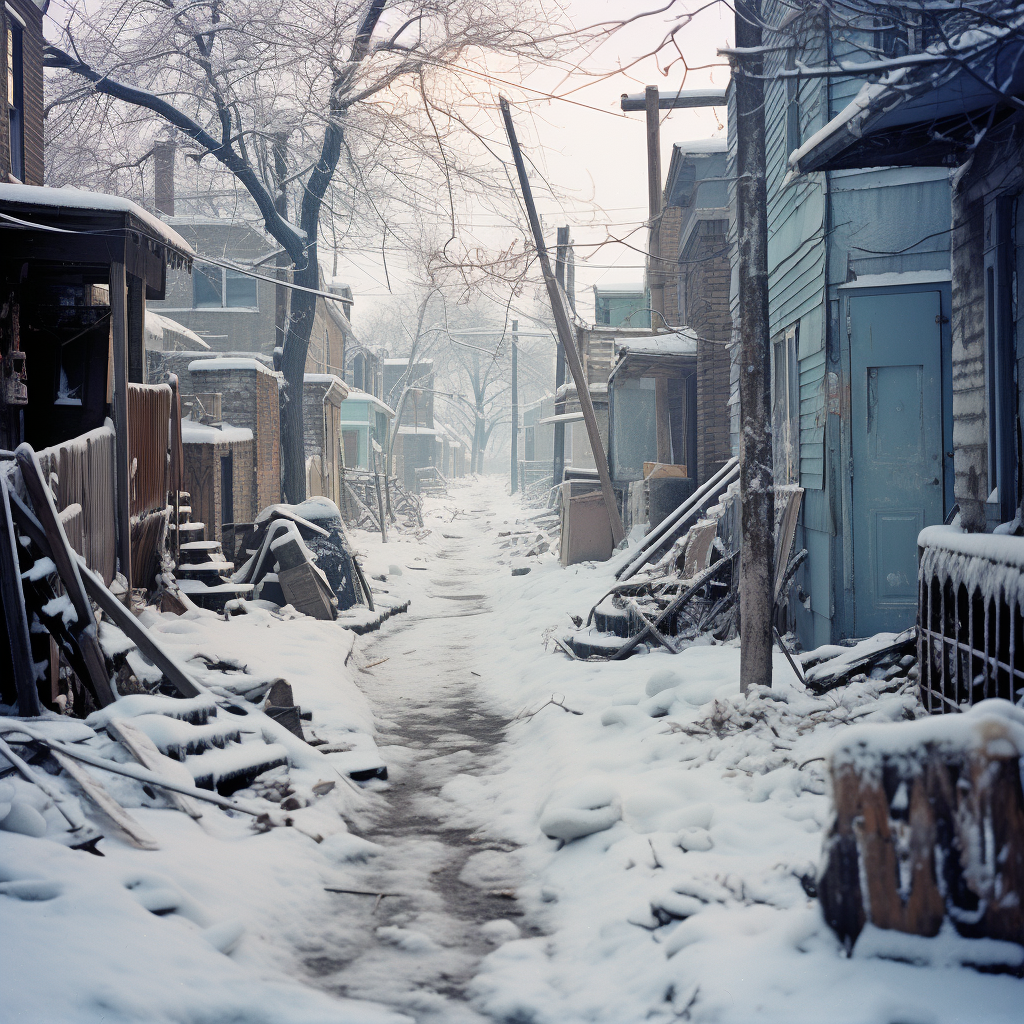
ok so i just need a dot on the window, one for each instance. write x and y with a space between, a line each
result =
218 288
786 407
16 99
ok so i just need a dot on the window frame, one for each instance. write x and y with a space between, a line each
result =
15 42
786 405
223 289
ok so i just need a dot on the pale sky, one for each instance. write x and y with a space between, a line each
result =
589 149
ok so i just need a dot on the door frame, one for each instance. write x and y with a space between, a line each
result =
853 289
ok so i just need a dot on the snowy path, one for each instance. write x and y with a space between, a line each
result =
416 950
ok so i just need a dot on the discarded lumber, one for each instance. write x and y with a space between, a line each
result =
15 614
138 773
94 790
145 751
72 815
174 671
65 558
827 675
705 577
687 513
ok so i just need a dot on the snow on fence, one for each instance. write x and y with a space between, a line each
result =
970 618
84 472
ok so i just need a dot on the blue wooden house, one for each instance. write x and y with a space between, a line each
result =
860 306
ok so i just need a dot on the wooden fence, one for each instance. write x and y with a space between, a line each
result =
149 417
81 472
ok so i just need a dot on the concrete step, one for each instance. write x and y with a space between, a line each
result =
214 597
190 531
197 551
210 572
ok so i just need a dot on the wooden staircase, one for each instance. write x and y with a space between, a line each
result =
202 572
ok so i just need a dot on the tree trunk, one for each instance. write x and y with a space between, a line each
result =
293 365
756 470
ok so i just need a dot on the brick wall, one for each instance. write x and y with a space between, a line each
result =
202 479
704 280
249 398
665 270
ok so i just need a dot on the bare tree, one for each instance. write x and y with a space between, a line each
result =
331 77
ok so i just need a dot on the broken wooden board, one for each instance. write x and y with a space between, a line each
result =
307 590
145 751
94 790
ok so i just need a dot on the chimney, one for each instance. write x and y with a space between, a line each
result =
163 186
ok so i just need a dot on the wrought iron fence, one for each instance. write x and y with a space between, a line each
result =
970 618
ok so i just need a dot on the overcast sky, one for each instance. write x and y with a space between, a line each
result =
589 150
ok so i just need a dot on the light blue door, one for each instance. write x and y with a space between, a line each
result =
897 489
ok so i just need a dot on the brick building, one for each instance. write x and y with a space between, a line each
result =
21 71
249 398
694 277
218 474
322 395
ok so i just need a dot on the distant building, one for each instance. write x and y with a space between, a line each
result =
615 305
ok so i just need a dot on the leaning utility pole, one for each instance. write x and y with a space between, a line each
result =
757 486
558 462
515 406
558 308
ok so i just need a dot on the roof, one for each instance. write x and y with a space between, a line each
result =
702 147
236 363
405 362
358 395
44 197
924 114
193 432
408 428
331 384
655 355
157 324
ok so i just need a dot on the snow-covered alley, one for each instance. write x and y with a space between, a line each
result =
641 849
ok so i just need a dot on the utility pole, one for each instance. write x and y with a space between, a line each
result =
558 463
565 333
651 101
757 486
515 406
655 278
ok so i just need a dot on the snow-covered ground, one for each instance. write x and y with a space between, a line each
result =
691 905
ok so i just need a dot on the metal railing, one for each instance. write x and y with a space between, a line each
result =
970 618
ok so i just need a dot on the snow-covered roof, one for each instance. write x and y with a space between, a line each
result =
405 362
234 363
408 428
80 199
157 324
194 432
979 70
679 343
699 146
358 395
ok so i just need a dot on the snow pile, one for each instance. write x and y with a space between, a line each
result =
212 925
671 833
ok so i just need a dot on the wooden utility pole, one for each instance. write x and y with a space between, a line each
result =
565 333
558 463
515 406
757 486
655 278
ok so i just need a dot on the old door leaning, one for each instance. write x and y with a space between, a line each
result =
897 489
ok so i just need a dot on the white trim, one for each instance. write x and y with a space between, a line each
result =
15 15
895 279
